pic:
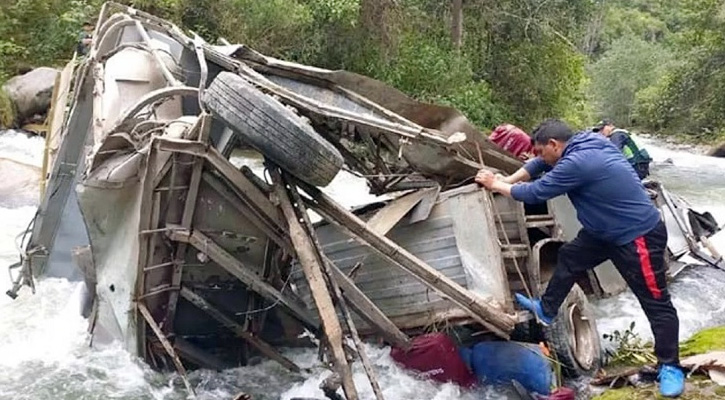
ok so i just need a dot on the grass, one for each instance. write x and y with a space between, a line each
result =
706 390
698 387
7 110
703 342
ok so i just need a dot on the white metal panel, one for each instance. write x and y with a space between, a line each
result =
609 278
477 242
112 217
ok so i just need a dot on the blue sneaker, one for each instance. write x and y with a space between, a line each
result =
672 381
535 307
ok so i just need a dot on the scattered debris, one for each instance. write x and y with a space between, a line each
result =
193 262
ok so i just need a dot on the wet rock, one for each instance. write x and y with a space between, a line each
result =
31 93
717 151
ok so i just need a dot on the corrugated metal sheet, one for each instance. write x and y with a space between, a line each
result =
396 292
393 290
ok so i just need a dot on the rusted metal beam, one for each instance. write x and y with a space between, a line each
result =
274 232
245 274
255 316
487 315
204 123
230 324
148 218
167 346
257 201
312 268
190 133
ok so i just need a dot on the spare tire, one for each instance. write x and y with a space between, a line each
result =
273 129
574 337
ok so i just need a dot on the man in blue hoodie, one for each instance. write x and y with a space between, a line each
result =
619 222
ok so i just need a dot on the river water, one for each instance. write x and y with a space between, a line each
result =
44 351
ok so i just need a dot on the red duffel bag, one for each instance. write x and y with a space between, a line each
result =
512 139
435 356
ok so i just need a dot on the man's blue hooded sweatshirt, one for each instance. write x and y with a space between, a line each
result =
609 198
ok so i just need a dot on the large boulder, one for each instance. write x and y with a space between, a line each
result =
717 151
31 92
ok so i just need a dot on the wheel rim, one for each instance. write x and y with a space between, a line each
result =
582 338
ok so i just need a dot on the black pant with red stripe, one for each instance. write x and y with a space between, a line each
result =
641 263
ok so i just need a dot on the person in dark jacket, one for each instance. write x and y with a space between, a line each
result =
85 37
638 157
619 223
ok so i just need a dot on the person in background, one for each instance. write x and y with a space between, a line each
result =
85 37
639 158
619 223
512 139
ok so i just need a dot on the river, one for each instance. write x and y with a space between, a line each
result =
44 349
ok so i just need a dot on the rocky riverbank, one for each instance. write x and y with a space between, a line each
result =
26 98
679 143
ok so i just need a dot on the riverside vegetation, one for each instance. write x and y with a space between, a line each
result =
653 64
632 351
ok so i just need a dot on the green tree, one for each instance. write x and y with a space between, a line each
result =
632 64
517 61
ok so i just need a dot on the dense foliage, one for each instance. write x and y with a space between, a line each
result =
659 65
656 64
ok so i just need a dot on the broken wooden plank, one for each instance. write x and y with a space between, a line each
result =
367 310
312 268
490 316
335 287
244 273
385 219
230 324
167 346
424 208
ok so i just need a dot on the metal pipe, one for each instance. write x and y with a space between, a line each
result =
151 98
164 69
203 74
124 21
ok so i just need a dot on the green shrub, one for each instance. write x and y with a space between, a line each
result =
475 100
7 110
